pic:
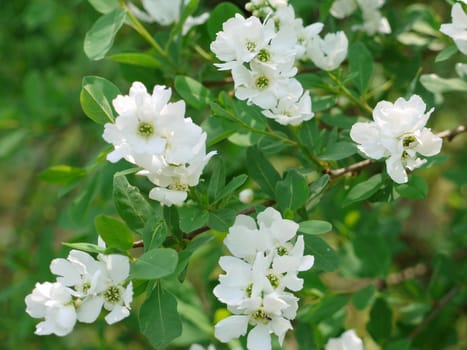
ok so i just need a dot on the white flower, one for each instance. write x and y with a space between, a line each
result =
80 271
457 30
114 296
263 85
330 52
343 8
161 11
373 20
347 341
199 347
291 111
264 265
246 196
241 40
143 124
398 133
53 302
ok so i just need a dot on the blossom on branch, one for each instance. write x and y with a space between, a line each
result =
259 278
154 134
84 286
398 133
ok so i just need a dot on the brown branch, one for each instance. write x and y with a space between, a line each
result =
198 231
437 306
334 173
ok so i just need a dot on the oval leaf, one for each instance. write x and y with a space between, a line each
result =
114 233
314 227
99 39
156 263
96 96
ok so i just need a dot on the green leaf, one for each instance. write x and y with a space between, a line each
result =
217 181
325 308
192 91
62 174
321 103
402 344
218 129
363 190
155 263
114 233
230 188
219 15
104 6
310 80
86 247
415 188
130 203
316 190
446 53
260 170
96 96
339 120
314 227
159 320
438 85
184 255
135 59
221 220
99 39
154 233
339 150
360 63
380 323
364 297
326 258
172 219
192 218
292 192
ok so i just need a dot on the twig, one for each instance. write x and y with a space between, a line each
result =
437 306
446 134
198 231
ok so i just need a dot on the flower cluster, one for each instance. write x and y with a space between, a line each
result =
154 134
260 277
84 285
457 30
398 133
262 58
373 21
347 341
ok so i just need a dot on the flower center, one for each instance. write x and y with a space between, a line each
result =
274 280
408 140
264 55
112 294
260 316
250 46
86 287
281 251
145 129
248 290
179 187
262 82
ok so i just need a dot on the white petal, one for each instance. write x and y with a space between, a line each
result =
259 338
396 170
117 314
90 308
231 327
430 144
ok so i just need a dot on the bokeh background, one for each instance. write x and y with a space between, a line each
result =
42 125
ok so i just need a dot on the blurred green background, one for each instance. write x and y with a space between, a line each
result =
41 125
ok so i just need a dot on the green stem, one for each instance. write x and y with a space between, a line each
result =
138 26
362 104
